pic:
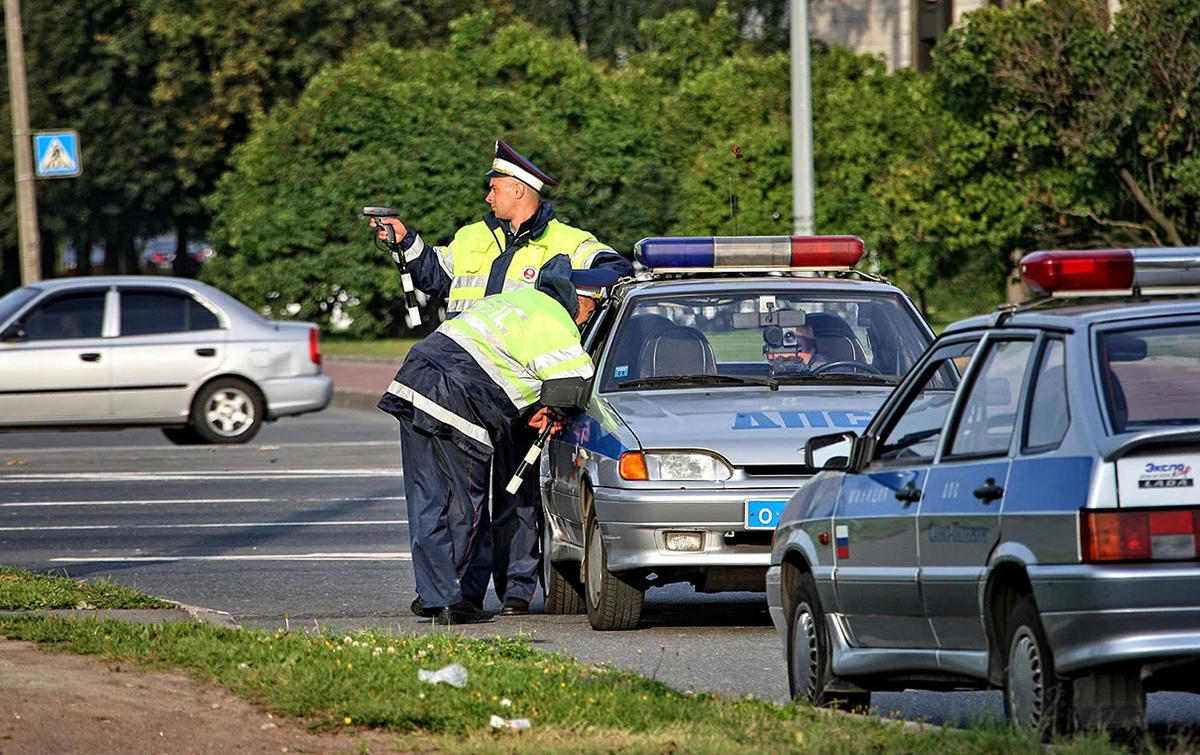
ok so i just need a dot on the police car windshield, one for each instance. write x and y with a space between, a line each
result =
1150 376
783 336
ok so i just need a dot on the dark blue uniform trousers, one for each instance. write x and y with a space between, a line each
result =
515 518
446 490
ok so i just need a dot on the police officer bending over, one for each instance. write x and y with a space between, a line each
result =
506 251
457 396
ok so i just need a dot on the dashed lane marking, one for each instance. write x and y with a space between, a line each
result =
392 556
209 525
210 475
198 501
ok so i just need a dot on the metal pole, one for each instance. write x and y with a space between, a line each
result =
802 138
27 220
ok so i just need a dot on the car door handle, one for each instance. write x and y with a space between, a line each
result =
206 352
90 356
989 492
909 494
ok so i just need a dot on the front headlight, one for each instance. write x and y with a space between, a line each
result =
673 466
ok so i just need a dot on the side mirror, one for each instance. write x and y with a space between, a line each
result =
14 332
830 451
568 395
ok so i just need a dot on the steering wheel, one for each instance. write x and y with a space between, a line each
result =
851 363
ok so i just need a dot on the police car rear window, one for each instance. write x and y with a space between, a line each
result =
1149 376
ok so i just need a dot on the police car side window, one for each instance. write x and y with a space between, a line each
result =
915 430
1048 416
989 412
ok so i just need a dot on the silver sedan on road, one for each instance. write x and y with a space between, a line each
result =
123 351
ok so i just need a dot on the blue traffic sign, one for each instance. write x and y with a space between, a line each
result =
56 154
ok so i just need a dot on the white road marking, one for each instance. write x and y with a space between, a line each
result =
392 556
196 449
210 525
162 501
211 475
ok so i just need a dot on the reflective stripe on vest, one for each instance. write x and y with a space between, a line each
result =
440 413
519 339
474 249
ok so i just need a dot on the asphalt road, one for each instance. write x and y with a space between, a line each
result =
306 527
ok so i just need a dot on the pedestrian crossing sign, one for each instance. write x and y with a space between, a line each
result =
56 154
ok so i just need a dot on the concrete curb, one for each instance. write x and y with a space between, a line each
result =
138 615
358 400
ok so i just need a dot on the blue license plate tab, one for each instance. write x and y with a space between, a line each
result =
763 514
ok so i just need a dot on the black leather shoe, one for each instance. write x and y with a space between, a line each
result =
418 608
463 612
515 607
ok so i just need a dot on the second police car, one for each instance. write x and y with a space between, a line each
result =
1034 529
704 396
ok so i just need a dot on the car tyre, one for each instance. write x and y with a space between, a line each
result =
613 603
1035 698
227 410
182 436
809 667
564 589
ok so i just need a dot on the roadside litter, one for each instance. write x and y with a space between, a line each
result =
511 723
454 675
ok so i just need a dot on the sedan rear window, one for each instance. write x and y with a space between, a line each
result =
667 341
1150 377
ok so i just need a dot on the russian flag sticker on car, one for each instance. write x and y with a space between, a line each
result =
841 535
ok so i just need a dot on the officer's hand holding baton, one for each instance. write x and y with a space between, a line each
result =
391 231
548 422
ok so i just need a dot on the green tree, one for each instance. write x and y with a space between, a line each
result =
415 127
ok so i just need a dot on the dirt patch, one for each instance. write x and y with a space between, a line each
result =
63 704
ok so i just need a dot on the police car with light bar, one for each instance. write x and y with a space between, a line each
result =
1034 526
715 364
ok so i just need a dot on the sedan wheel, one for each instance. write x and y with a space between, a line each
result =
227 411
564 591
808 654
612 602
1034 697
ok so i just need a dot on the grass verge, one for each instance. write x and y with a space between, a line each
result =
370 679
23 591
388 348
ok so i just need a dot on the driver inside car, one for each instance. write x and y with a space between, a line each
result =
791 350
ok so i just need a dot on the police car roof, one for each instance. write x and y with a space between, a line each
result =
1080 313
748 284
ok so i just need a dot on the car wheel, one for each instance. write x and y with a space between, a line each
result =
227 410
1034 697
808 653
612 602
182 436
564 590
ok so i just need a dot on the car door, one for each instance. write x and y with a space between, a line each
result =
875 524
959 519
169 342
565 454
55 365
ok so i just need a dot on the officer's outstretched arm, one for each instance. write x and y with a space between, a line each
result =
431 267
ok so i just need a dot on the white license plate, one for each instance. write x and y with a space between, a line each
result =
763 514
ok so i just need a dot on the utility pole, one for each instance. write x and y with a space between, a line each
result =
802 138
27 221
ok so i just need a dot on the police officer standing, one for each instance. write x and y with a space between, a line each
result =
456 396
505 251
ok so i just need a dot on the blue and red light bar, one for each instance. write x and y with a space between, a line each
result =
693 253
1100 271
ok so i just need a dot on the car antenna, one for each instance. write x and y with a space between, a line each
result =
733 200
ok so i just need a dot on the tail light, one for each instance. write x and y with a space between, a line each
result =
1169 535
314 346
